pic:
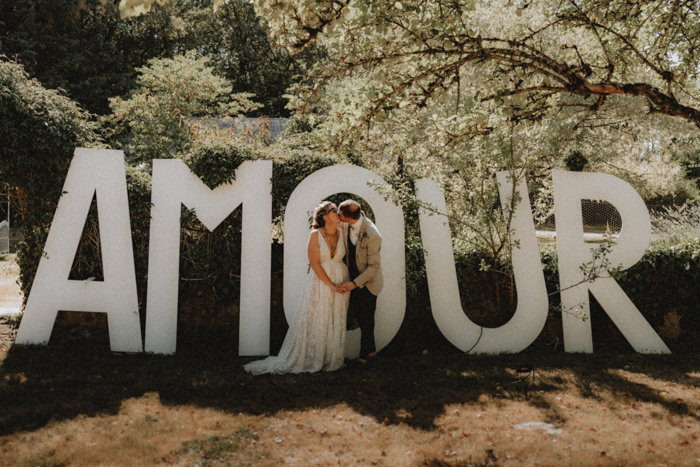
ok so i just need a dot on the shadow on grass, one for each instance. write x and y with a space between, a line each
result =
40 384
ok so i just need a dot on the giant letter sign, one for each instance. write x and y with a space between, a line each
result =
175 184
569 189
99 173
391 303
531 313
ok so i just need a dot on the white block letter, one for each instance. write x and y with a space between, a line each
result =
530 316
391 303
96 172
569 189
175 184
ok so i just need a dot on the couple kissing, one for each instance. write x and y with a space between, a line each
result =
342 284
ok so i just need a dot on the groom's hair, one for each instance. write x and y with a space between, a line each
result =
350 209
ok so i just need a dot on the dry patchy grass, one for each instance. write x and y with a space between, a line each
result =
75 403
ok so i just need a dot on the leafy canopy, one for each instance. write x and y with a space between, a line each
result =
234 41
67 44
531 58
152 121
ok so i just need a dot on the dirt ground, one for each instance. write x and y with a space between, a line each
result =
10 293
75 403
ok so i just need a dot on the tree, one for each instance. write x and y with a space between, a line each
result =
531 58
40 130
153 121
83 47
462 89
86 49
234 41
67 44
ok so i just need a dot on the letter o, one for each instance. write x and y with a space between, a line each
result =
391 303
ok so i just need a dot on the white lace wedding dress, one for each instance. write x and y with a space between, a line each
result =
315 340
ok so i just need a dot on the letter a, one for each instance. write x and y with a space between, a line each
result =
569 189
96 172
174 184
531 314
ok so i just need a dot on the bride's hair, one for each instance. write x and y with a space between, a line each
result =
320 211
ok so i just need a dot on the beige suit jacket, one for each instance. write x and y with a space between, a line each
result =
367 256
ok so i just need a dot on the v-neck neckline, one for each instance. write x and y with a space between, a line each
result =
335 250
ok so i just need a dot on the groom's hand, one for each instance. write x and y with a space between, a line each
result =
349 286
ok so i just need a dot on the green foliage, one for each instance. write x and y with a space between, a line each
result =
88 258
211 261
215 160
152 122
44 128
148 36
293 161
298 124
428 80
486 294
40 131
576 161
67 44
40 128
468 181
235 44
401 178
138 185
663 285
442 89
85 48
528 60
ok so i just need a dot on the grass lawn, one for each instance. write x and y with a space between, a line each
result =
75 403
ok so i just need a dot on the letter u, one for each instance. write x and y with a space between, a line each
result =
531 313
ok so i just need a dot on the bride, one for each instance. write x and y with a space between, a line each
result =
316 337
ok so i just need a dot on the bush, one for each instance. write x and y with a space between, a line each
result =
40 130
662 285
673 226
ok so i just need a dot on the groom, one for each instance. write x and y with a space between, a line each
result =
363 244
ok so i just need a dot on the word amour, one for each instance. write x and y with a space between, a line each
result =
101 173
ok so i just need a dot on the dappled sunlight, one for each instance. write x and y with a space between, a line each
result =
89 407
562 427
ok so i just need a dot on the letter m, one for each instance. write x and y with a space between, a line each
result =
174 184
